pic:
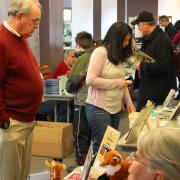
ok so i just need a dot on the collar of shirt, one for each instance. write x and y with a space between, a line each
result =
67 64
9 28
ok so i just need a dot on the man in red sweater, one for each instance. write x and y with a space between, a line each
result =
64 66
21 89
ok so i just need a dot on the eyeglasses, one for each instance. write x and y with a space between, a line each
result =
134 158
35 21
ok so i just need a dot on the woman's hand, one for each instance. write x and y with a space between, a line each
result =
124 83
131 109
137 65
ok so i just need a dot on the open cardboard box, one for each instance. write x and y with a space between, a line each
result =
52 139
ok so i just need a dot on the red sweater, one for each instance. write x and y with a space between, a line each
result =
176 39
60 70
21 86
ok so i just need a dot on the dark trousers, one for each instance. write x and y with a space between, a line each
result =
98 120
47 109
141 102
81 131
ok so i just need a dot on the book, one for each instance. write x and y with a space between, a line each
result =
88 163
169 98
139 55
74 175
130 138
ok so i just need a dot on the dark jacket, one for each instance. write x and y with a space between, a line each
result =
159 77
170 30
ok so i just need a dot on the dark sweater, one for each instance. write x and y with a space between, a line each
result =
21 86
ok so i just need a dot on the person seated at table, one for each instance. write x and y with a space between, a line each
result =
46 111
64 66
157 156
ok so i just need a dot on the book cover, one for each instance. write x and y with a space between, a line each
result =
139 55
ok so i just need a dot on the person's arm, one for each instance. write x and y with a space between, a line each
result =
95 68
3 71
163 60
49 76
60 70
128 101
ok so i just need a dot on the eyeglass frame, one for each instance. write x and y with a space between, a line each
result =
133 157
35 21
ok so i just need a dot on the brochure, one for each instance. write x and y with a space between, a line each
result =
108 143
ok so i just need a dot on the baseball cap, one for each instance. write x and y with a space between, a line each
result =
143 16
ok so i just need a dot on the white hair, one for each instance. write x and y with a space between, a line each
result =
67 52
23 6
162 148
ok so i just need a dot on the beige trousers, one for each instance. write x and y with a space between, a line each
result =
15 150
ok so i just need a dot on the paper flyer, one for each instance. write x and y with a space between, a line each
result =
109 142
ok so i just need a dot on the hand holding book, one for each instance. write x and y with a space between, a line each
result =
140 56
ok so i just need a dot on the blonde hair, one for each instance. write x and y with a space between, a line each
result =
162 148
23 6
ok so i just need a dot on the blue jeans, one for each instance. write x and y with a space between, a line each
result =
98 120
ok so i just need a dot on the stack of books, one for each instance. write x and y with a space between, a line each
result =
51 86
55 86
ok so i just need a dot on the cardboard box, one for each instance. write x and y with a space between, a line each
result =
52 139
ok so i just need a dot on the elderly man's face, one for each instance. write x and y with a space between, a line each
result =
139 168
71 58
144 28
28 23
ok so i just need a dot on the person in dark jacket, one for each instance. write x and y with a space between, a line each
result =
157 77
169 28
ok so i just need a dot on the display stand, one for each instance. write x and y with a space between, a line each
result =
130 138
169 108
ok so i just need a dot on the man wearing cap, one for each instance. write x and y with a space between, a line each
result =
157 77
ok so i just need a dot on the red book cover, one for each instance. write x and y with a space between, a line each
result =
73 176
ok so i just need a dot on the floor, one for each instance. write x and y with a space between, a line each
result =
38 163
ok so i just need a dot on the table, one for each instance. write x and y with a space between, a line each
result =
151 124
56 97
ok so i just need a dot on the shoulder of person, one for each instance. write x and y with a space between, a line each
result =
101 50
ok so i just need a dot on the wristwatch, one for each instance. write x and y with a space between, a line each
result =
4 124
